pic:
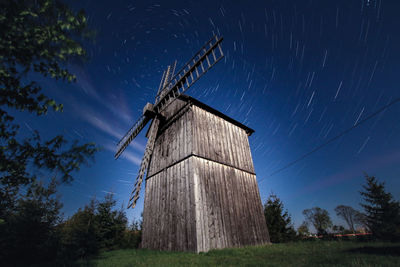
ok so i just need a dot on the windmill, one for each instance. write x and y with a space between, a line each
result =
191 146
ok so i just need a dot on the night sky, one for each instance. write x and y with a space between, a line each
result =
297 72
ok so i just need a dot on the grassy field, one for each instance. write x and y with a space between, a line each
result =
318 253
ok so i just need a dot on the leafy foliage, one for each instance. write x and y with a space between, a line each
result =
382 211
79 234
319 218
36 36
350 215
31 227
278 220
96 227
37 39
303 230
112 223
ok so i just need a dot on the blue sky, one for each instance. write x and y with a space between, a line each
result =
297 72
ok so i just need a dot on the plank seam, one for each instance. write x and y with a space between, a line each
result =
201 157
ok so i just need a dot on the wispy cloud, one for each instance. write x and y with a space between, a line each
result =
125 181
128 155
101 124
119 108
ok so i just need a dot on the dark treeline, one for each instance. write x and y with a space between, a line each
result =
36 230
38 39
380 218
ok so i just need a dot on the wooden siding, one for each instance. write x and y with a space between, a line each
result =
175 141
228 207
201 190
169 214
198 205
221 141
201 133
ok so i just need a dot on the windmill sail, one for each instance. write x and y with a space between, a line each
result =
169 90
145 163
196 67
131 134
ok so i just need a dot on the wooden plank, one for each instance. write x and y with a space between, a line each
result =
201 217
212 205
185 121
182 210
232 145
221 204
251 217
238 147
237 206
195 130
227 209
163 215
145 216
172 222
261 234
206 211
250 156
228 149
246 150
194 205
211 136
206 144
241 134
221 141
167 229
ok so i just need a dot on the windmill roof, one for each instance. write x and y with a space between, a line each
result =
206 107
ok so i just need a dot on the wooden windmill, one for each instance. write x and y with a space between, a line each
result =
201 189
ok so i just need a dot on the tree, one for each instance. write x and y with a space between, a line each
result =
350 215
133 235
37 39
382 212
338 229
32 228
112 223
319 218
303 231
97 226
80 233
278 221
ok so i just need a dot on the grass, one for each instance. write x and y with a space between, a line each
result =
318 253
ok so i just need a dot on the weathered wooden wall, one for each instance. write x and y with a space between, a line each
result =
174 142
221 141
228 206
201 190
169 221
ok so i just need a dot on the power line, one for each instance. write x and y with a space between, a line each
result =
333 138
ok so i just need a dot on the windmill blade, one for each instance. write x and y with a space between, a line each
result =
131 134
145 163
196 67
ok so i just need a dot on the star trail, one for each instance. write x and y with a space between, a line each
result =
300 73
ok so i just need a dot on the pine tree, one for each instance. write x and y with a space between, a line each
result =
80 233
112 223
381 210
278 220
